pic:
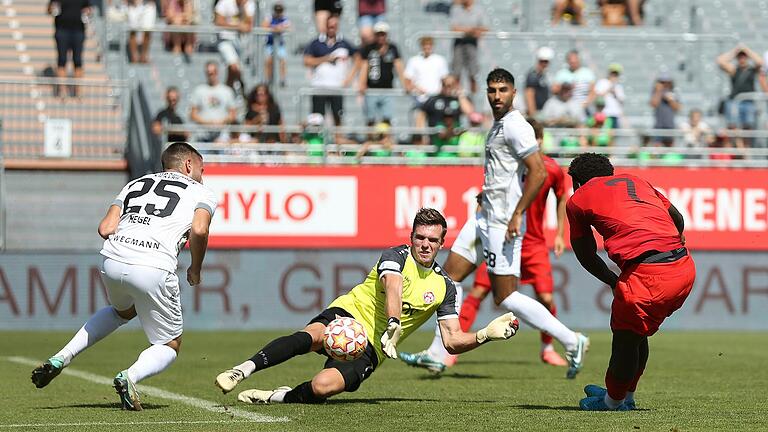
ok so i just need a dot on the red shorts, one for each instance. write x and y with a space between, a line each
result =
646 294
535 270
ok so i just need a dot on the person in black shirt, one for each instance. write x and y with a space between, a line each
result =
537 83
740 114
169 116
380 60
445 109
264 111
70 17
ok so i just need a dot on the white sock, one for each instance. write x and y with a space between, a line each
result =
151 361
612 403
437 350
100 324
540 318
247 367
630 396
278 396
547 347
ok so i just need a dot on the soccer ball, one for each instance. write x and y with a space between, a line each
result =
345 339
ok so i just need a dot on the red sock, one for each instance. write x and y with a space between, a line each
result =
617 390
633 384
545 338
468 312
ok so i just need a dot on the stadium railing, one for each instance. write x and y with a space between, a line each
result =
97 122
252 49
327 152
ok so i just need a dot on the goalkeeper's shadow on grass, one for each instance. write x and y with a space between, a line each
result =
104 405
450 375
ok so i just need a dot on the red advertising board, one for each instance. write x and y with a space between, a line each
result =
372 207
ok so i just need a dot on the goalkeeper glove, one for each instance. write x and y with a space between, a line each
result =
390 337
503 327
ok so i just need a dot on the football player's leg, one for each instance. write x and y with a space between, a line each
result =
503 259
623 366
159 309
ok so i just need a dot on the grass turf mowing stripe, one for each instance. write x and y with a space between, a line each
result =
145 423
162 394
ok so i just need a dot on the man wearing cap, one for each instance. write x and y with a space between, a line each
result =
612 93
537 82
380 60
740 114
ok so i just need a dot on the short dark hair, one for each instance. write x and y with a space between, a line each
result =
500 75
429 216
171 89
538 128
176 153
586 166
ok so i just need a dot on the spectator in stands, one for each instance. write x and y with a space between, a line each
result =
379 143
697 133
237 17
370 12
444 111
381 61
213 104
569 11
278 23
264 111
471 21
180 12
599 126
621 12
537 82
611 91
472 140
423 79
70 37
562 110
141 15
329 58
581 77
324 9
741 115
168 116
665 103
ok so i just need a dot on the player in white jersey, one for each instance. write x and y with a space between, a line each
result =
496 232
144 230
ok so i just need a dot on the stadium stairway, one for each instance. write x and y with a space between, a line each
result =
28 51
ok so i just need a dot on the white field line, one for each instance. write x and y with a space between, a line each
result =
46 425
162 394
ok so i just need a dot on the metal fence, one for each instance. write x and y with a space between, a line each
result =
63 118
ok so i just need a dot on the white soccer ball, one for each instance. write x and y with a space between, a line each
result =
345 339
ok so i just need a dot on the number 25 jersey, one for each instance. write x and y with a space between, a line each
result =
630 214
156 215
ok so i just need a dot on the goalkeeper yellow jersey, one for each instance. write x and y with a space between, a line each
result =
426 290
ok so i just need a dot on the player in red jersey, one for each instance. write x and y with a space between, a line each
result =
643 234
536 269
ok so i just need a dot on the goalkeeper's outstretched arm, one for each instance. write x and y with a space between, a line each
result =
457 342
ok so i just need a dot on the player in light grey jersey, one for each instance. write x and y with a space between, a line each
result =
496 233
144 230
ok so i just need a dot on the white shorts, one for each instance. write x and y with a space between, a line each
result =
230 51
477 240
154 293
142 17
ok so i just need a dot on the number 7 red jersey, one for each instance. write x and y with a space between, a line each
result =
628 212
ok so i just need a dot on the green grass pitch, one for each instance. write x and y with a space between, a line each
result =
695 381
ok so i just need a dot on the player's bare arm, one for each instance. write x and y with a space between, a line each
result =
677 218
198 242
585 248
108 225
537 173
393 289
456 341
560 235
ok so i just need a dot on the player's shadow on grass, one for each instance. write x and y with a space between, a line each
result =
499 362
547 407
454 375
378 400
104 405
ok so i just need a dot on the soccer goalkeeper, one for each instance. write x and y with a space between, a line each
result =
401 293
